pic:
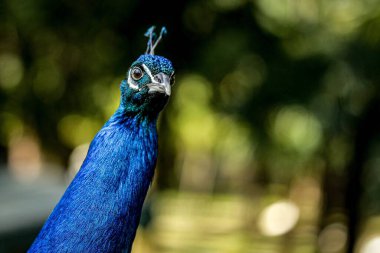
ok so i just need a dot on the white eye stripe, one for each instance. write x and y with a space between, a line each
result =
130 82
146 69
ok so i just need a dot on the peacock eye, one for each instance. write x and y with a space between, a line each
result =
172 79
136 73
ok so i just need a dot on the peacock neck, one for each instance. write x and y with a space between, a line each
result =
125 115
100 211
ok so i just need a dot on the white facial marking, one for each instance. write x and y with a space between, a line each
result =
149 73
130 82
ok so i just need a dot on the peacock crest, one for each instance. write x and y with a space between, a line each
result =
153 40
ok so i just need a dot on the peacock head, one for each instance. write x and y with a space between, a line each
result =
147 86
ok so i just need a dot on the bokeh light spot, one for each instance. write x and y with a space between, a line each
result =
372 245
11 71
297 129
75 130
278 218
333 238
196 118
11 127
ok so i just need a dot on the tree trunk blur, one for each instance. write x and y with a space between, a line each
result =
367 128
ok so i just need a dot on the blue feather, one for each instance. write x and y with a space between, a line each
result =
100 210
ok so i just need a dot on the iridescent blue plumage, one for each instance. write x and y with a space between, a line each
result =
101 208
155 63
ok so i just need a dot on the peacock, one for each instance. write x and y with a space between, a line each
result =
101 208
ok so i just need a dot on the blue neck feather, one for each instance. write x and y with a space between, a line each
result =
100 210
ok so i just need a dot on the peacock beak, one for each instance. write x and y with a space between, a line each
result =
160 83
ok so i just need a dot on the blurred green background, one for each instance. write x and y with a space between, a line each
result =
269 144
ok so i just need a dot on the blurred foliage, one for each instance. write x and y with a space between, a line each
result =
268 93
